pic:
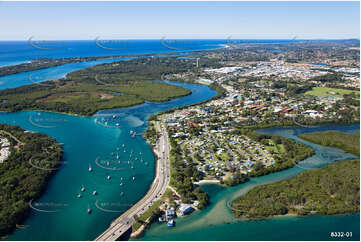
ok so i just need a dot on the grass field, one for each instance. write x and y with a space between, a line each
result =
327 91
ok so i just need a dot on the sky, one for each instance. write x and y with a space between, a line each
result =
197 20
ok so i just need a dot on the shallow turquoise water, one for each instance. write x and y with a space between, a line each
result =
84 141
216 222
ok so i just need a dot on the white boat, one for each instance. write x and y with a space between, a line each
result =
82 189
108 177
79 195
89 211
133 178
121 184
132 167
122 193
90 168
123 145
95 193
114 116
107 163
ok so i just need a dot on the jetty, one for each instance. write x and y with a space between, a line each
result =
162 175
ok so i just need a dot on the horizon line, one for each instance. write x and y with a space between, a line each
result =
162 38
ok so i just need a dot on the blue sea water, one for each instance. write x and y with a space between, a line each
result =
14 52
92 140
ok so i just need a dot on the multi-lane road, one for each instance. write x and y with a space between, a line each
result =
162 175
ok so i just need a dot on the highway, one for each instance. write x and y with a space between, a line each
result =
162 175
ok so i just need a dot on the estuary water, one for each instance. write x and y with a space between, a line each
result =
51 73
89 142
216 222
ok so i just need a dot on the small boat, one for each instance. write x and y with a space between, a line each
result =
140 153
125 150
114 116
107 163
133 178
132 167
121 184
117 157
82 189
112 153
79 195
123 145
122 193
117 148
136 158
90 168
121 178
117 124
89 211
128 162
95 193
108 177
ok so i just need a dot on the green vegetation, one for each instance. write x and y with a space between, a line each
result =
286 152
20 181
183 174
105 86
148 216
347 142
324 191
335 92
